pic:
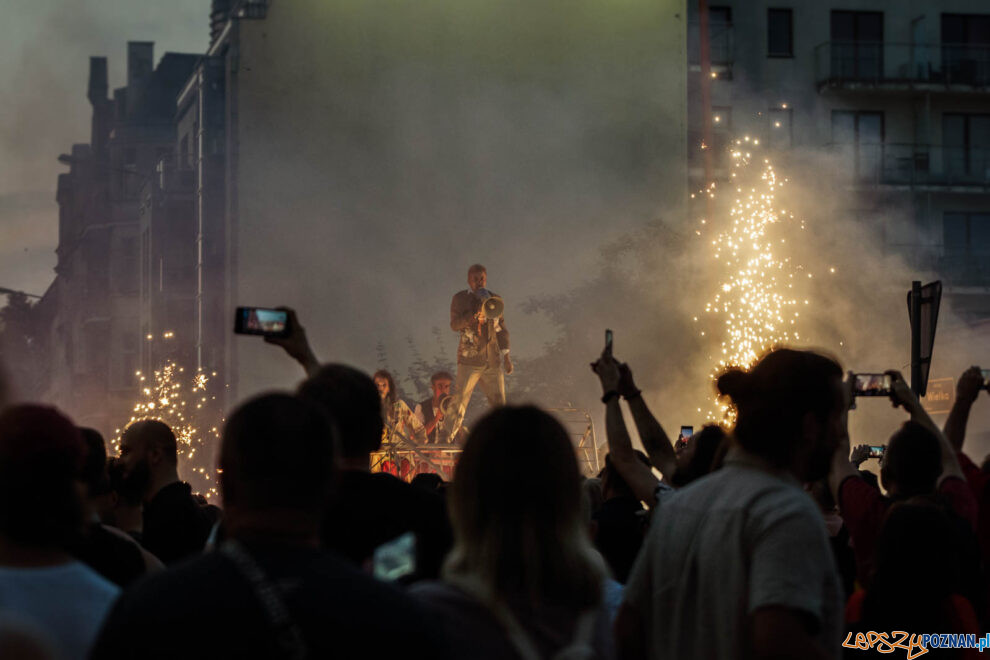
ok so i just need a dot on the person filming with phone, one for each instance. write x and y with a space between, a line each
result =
918 462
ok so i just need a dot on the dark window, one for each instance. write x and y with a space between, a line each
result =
719 40
966 48
966 29
780 33
966 139
720 34
858 135
966 233
857 45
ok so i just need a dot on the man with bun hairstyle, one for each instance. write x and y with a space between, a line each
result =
738 564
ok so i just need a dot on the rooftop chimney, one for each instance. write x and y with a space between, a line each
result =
97 92
140 64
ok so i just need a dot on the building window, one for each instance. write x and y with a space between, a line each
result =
966 49
781 133
720 34
966 139
780 33
966 234
720 49
857 45
966 248
858 137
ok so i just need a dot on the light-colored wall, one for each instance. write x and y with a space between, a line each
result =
383 147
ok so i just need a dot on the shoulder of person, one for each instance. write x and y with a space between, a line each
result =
95 581
151 562
439 595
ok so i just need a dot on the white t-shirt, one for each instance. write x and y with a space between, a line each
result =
742 538
68 602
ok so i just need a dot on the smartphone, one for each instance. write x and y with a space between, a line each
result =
876 451
873 385
608 341
986 378
395 559
686 433
261 321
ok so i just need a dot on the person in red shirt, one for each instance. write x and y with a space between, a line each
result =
919 461
968 388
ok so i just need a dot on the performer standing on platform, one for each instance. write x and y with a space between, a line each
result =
428 411
483 351
399 419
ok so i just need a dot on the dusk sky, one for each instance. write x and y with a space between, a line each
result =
44 62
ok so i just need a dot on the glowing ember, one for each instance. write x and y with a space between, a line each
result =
756 306
181 408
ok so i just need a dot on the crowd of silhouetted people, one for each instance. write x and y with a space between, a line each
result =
760 540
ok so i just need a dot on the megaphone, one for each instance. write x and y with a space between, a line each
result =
493 307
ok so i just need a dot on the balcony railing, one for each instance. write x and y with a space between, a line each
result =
916 164
862 63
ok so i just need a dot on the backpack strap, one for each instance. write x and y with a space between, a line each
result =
288 638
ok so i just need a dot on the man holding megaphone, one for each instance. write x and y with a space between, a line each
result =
483 351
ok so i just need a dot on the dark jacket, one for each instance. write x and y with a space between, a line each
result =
477 347
176 526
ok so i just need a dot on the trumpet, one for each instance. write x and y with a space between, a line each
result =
448 405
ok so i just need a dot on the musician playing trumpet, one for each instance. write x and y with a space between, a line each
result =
483 350
430 411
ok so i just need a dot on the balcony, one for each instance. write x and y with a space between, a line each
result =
859 65
916 166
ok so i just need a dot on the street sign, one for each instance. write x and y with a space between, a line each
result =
940 396
923 303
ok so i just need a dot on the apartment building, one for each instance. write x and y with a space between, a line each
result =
898 92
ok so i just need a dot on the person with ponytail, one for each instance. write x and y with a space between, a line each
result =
737 564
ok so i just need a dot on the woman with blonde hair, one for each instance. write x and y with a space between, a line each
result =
523 580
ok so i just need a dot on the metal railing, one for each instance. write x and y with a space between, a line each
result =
866 62
915 164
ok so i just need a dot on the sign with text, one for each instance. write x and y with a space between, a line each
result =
940 396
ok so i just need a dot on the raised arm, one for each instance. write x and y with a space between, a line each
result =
296 344
967 389
905 396
639 476
651 433
842 467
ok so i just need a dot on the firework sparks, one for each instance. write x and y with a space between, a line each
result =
164 398
756 305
